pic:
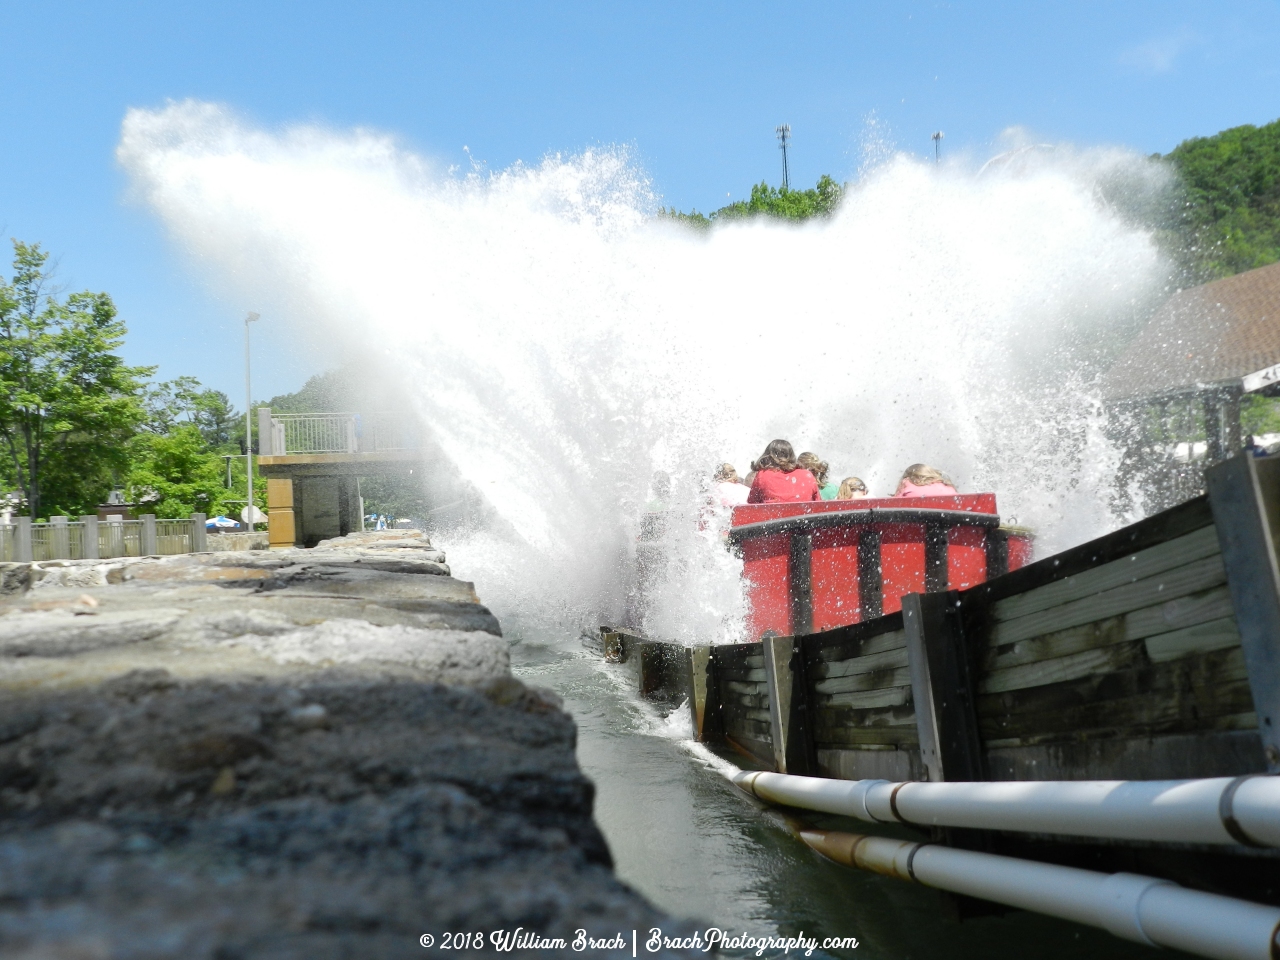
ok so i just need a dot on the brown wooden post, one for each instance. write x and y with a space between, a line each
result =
941 687
1244 494
788 706
703 693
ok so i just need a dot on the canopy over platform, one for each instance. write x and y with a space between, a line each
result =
1225 333
1174 396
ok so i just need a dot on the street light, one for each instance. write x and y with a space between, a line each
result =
248 423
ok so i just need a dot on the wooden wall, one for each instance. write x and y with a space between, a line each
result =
859 701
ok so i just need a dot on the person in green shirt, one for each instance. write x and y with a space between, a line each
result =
819 467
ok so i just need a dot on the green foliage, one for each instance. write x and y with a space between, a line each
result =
777 202
1259 414
178 401
1232 215
68 403
175 475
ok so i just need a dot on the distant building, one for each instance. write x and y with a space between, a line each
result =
1174 395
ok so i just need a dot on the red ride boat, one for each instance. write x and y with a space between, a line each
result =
817 565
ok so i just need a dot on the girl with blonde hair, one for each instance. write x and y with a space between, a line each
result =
922 480
851 488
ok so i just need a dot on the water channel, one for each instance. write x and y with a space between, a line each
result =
691 842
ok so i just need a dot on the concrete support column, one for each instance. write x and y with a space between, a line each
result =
199 533
282 531
89 546
149 546
22 539
61 538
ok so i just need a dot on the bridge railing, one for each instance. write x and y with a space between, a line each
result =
296 434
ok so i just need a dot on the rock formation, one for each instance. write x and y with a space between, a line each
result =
288 754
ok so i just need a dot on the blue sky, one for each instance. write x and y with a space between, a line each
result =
695 89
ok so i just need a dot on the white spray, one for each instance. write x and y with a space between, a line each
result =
563 342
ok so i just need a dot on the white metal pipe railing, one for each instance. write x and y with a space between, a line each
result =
1148 910
1217 810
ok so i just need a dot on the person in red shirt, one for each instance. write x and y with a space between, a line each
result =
779 479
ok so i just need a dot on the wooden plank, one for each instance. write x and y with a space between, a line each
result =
734 657
874 680
1194 608
840 716
748 726
1164 526
890 697
1071 667
840 643
1130 717
1197 608
1178 582
1203 637
883 643
897 736
1200 673
754 675
889 659
1137 566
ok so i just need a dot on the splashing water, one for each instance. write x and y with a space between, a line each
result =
563 342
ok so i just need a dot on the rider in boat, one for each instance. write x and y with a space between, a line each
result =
780 479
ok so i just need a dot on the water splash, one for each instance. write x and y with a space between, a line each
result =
563 342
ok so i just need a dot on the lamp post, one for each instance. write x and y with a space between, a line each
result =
248 423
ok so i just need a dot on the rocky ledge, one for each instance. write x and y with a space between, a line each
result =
287 754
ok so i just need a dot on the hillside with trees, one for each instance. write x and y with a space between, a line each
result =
1230 218
777 202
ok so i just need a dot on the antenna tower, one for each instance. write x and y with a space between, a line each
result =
784 136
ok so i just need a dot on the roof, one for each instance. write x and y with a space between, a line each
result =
1216 333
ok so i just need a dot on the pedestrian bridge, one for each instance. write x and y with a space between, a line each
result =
313 463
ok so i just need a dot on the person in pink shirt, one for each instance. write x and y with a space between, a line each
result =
727 489
922 480
779 479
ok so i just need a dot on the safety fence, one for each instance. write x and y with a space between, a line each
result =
294 434
90 538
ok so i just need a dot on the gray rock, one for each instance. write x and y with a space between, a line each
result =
281 754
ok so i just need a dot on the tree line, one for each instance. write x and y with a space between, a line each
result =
1223 216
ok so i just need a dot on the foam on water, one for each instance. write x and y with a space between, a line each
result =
563 342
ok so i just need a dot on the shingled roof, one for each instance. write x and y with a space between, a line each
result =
1215 333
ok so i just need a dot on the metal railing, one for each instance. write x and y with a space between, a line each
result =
92 539
291 434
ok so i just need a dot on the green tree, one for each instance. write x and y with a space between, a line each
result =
68 403
1231 217
174 473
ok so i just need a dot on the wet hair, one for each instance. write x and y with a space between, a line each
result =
815 465
849 486
727 473
921 474
778 455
